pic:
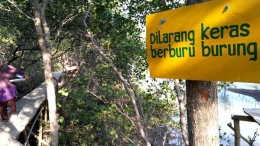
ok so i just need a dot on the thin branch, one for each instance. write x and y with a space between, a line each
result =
231 127
5 9
125 83
124 114
128 138
89 82
15 5
65 21
86 16
165 136
132 86
255 135
154 105
98 97
182 112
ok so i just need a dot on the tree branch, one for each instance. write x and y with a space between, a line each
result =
124 114
182 112
119 74
231 127
15 5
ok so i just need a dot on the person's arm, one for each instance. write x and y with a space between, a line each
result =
26 76
21 73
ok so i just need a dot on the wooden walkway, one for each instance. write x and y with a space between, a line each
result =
27 108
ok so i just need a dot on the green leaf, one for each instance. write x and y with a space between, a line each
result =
112 132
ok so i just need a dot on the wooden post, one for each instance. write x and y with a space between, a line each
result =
237 132
46 111
236 119
25 136
40 128
46 118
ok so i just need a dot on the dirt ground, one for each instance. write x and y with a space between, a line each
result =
249 92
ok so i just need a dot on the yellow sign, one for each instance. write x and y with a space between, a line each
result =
215 41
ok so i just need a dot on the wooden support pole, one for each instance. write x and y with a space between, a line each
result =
25 136
243 118
237 132
46 117
46 111
40 128
236 120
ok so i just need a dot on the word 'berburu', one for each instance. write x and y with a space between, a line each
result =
208 34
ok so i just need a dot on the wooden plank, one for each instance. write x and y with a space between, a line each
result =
57 74
243 118
7 139
253 112
26 109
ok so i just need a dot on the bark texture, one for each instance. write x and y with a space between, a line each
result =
43 35
202 113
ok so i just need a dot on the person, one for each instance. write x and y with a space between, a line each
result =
8 90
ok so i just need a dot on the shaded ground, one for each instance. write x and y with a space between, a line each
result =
249 92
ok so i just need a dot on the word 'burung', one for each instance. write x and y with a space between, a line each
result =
233 50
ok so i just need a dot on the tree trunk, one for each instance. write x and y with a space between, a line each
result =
202 113
202 109
43 35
